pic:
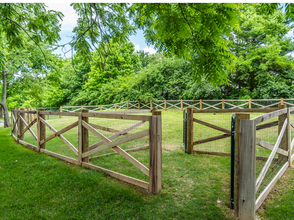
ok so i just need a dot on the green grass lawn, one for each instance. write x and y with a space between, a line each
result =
37 186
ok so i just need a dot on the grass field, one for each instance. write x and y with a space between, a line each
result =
37 186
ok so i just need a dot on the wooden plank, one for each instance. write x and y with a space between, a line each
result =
127 156
119 133
21 124
24 122
249 103
288 131
59 113
14 122
270 146
270 115
80 139
117 116
67 128
38 132
267 125
28 145
270 158
269 187
127 150
235 110
132 111
85 136
211 139
28 127
182 105
212 126
59 156
292 124
117 142
60 136
119 176
200 104
238 117
26 111
190 130
284 143
155 157
247 168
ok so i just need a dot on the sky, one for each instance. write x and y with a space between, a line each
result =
69 22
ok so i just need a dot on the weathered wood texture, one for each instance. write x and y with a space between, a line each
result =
42 128
238 117
85 136
21 125
247 162
284 141
190 130
155 154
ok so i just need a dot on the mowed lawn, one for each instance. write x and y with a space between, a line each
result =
36 186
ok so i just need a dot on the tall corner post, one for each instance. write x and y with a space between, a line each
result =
85 136
42 129
190 130
238 117
247 167
155 152
284 142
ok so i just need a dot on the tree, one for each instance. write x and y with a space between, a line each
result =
21 23
262 67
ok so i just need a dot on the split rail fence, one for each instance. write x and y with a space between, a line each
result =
180 105
262 151
23 120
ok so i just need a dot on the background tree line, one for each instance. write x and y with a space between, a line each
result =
262 69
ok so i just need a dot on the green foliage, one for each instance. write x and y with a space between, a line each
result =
262 67
120 60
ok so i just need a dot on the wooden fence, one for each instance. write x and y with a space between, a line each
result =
247 182
23 120
180 105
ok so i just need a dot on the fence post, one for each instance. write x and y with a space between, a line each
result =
150 105
284 141
127 105
139 104
81 107
114 106
181 104
249 103
29 116
21 124
289 137
42 131
200 104
165 105
190 130
100 108
12 122
85 137
60 111
247 166
282 101
223 104
155 152
238 117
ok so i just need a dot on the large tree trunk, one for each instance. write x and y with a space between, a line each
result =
3 102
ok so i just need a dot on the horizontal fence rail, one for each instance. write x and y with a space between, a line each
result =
233 105
23 120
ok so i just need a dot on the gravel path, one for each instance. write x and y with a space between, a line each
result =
1 123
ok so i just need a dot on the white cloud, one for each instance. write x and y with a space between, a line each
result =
70 17
137 47
149 50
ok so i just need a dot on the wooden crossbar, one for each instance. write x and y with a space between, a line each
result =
211 126
211 139
270 146
117 142
29 128
270 115
127 150
118 133
127 156
15 122
67 128
236 106
270 158
60 136
267 125
211 106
